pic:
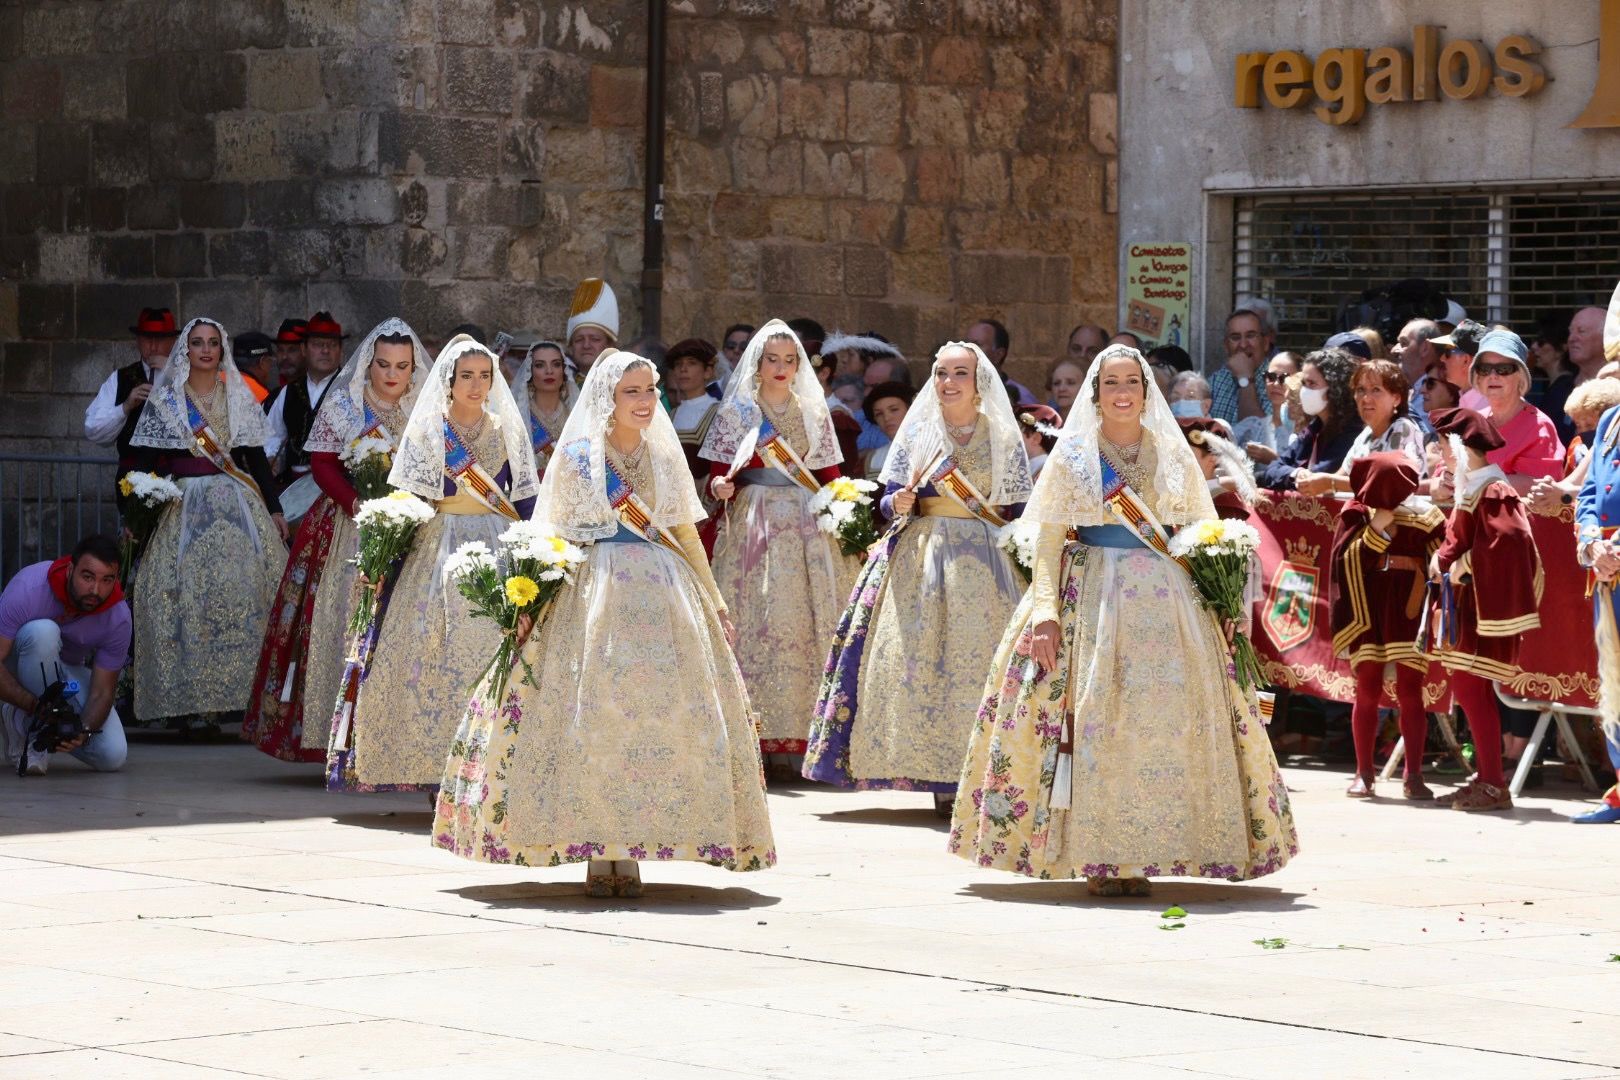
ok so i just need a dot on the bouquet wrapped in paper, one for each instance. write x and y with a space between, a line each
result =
368 460
1018 538
843 507
1219 556
386 526
146 496
511 585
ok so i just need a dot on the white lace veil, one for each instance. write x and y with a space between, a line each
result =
343 413
739 411
525 371
419 463
163 423
1069 491
573 495
923 435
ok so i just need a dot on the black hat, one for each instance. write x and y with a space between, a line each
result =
252 345
292 332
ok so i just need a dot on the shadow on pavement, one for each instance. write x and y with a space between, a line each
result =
1205 895
670 899
883 815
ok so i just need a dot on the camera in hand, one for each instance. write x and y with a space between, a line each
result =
55 721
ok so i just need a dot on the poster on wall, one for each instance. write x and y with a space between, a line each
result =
1158 293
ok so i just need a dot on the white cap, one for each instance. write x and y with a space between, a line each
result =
594 305
1455 312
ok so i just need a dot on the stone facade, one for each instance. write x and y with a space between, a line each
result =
898 165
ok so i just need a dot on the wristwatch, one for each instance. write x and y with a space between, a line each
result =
1243 382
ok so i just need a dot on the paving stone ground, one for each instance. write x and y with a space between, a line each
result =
213 913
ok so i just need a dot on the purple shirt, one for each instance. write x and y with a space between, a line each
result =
104 635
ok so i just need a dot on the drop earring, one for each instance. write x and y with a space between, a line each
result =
612 422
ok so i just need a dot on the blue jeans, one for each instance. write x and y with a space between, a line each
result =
40 643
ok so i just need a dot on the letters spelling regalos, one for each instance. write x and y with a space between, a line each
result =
1345 81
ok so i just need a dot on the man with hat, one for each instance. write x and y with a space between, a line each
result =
293 413
290 355
1476 630
254 354
593 323
110 419
1456 350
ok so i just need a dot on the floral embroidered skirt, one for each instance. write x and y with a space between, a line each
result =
786 583
632 739
429 655
202 599
329 635
274 720
906 671
1173 773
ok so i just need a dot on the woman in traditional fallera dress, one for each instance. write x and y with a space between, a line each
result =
210 568
1113 743
906 668
543 387
371 401
633 740
466 450
787 581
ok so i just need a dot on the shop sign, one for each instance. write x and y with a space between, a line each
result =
1158 292
1343 82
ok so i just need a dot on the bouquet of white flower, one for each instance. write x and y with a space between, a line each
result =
517 583
1017 538
147 495
368 460
1218 555
386 526
843 507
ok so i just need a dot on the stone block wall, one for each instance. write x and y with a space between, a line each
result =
898 165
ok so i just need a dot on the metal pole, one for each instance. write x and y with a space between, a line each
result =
652 247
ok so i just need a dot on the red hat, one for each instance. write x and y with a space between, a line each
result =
1475 430
322 325
155 322
1383 481
292 332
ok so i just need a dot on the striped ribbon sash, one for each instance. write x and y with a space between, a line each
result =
634 513
949 481
1130 508
774 449
542 440
465 470
207 444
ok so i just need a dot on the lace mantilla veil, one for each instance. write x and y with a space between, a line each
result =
525 371
740 412
343 415
923 433
163 422
1069 491
419 461
573 497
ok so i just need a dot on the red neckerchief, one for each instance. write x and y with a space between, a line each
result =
57 575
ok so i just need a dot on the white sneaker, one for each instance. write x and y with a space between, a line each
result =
37 760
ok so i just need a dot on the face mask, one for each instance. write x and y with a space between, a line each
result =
1187 407
1312 400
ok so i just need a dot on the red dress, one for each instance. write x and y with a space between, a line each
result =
1488 539
274 719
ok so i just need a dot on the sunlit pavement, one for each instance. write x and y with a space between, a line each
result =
211 912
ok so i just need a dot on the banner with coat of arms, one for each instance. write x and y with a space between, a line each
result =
1294 637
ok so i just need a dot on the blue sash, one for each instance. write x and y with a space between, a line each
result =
464 468
539 437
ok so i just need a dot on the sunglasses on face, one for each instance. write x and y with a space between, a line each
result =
1507 368
1276 377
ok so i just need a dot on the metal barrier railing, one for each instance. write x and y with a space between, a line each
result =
47 503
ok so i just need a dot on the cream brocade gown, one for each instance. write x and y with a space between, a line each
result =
786 582
329 633
634 739
430 651
1173 773
203 593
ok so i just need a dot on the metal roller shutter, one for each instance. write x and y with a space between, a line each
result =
1507 255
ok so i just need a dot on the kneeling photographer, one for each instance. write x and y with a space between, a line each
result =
64 637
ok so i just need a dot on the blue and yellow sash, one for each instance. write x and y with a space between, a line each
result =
633 511
775 450
206 444
542 440
1129 508
465 470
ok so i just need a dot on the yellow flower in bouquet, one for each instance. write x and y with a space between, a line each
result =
521 591
125 487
